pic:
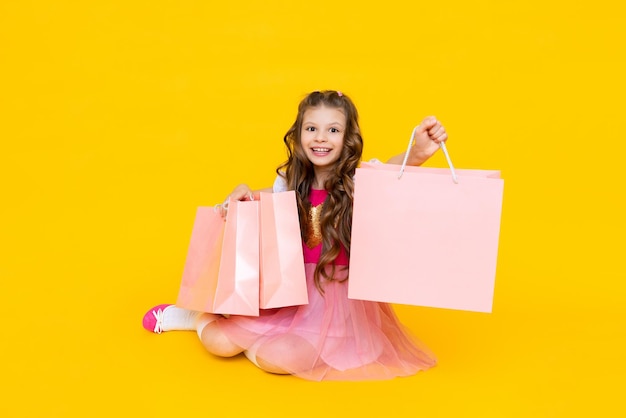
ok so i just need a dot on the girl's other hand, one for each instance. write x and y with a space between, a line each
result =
241 192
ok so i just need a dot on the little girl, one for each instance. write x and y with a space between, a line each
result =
332 337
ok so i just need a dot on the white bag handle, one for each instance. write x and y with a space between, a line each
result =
443 148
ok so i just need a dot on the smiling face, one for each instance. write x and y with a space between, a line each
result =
321 139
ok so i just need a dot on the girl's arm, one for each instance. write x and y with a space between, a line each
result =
428 135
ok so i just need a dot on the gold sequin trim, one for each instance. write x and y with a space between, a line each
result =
313 227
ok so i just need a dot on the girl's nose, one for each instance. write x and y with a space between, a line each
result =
321 136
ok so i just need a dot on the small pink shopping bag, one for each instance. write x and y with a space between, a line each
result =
283 280
221 273
424 239
199 282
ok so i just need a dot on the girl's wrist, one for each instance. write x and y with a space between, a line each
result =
417 157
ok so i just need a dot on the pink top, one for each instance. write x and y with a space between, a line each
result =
312 255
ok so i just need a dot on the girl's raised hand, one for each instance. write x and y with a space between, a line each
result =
428 135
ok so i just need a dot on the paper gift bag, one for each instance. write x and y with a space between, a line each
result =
423 239
221 273
283 280
238 282
199 282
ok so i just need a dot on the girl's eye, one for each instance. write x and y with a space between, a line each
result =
334 130
309 128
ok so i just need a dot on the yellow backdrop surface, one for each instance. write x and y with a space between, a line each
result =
118 119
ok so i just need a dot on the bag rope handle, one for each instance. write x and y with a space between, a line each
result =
442 145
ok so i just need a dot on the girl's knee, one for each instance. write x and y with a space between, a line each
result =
217 343
292 354
270 368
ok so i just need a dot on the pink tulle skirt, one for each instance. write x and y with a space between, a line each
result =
331 338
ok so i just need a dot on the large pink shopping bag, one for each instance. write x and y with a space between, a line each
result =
221 273
424 239
283 280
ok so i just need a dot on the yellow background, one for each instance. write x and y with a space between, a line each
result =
118 119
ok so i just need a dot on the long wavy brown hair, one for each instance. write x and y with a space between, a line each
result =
336 216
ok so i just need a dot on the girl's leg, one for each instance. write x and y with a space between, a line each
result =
172 318
213 339
294 352
262 364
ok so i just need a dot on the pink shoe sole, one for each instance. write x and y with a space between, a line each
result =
153 319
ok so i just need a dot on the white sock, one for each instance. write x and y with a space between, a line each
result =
179 319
